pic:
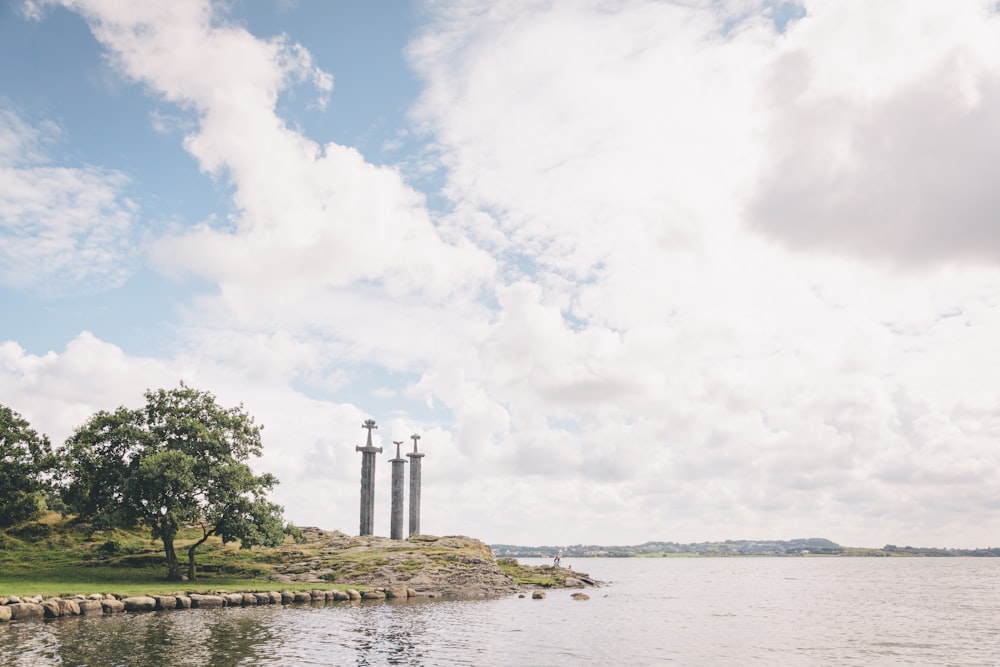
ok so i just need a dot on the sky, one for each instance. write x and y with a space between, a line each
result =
679 270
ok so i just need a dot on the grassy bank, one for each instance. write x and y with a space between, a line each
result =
56 556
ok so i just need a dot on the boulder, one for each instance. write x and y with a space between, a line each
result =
317 594
538 595
411 593
287 597
52 609
88 607
353 594
139 603
396 593
96 596
302 596
24 610
252 600
112 606
580 596
70 607
275 597
5 613
12 599
341 596
165 602
183 602
206 601
373 594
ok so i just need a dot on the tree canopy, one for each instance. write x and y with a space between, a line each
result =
25 458
181 459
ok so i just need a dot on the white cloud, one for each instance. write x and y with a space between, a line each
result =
884 130
62 228
650 364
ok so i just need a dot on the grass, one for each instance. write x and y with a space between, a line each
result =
528 576
56 556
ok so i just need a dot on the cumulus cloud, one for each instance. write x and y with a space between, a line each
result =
62 228
617 310
652 347
883 131
306 214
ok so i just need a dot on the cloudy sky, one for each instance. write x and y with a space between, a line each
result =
635 270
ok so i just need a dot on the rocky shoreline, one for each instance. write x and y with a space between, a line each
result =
13 608
367 568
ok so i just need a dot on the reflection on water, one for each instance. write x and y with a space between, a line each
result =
681 611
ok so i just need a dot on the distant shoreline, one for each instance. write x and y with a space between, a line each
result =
814 546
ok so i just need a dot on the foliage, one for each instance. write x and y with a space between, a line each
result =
180 460
25 460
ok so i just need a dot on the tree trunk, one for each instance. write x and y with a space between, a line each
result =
191 551
173 567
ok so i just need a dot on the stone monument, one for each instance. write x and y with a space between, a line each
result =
396 520
368 480
415 457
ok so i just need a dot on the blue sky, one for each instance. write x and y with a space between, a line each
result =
668 270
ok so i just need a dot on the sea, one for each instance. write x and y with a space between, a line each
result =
650 611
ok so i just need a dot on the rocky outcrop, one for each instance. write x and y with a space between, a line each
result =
430 566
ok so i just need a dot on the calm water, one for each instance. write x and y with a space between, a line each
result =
739 611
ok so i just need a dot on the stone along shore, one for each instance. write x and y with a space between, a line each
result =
14 608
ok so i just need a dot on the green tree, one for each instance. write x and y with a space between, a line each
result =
25 459
179 460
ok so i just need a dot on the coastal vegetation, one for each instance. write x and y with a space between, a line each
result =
181 459
179 462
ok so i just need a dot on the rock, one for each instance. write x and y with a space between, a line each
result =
70 607
139 603
5 613
580 596
183 601
341 596
24 610
88 607
165 602
302 596
206 601
13 599
373 594
96 596
233 599
317 594
112 606
287 597
353 594
52 609
538 595
275 597
411 593
396 593
572 582
251 599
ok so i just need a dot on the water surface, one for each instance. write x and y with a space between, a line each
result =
685 611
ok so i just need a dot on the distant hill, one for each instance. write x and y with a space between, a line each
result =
811 546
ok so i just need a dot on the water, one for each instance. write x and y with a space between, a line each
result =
719 611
